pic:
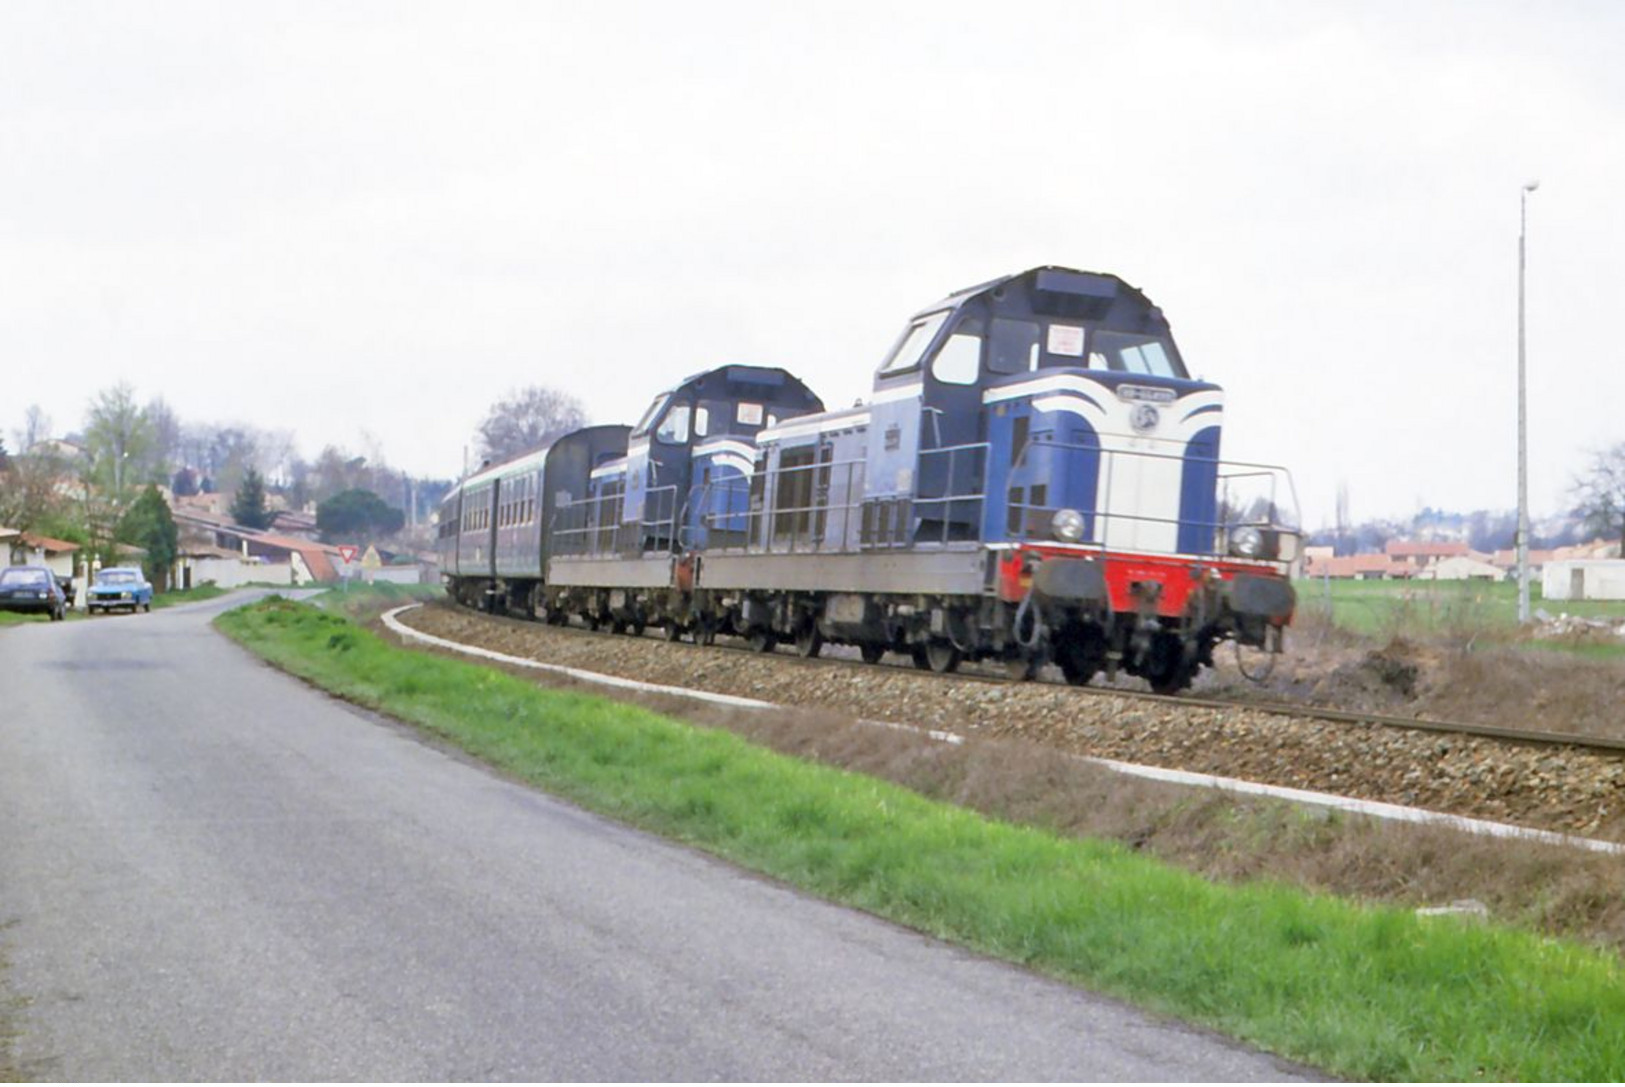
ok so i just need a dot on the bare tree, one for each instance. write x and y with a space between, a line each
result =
36 428
234 451
1600 494
527 419
165 454
31 487
334 472
119 439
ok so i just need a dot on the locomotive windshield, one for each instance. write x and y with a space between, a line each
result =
1018 346
677 423
651 415
913 343
1132 354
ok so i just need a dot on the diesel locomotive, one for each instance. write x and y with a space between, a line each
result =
1035 479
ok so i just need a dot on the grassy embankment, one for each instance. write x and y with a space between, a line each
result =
1453 610
1364 992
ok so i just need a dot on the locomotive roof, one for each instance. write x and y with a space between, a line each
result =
751 375
1052 280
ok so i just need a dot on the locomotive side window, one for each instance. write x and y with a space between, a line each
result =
1013 346
674 427
911 348
702 422
959 361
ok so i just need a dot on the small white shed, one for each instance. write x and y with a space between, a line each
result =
1584 579
1459 568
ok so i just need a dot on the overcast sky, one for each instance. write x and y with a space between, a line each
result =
354 220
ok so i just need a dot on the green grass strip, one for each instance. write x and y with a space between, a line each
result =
1364 992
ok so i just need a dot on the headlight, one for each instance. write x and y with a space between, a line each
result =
1247 542
1067 525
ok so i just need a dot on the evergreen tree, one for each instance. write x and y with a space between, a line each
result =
148 525
184 484
248 507
357 514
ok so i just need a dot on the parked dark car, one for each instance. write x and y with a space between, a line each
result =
32 588
120 587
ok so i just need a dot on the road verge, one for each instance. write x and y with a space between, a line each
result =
1366 992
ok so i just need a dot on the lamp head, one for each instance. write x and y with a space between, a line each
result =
1531 186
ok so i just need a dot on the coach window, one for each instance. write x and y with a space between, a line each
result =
960 360
911 348
674 427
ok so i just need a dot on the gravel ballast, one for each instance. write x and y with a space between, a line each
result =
1557 789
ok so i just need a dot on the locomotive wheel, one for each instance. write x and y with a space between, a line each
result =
1077 665
761 640
809 640
637 627
937 656
871 652
672 632
1171 669
1080 654
705 631
1023 668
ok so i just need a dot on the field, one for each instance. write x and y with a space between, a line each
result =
1456 611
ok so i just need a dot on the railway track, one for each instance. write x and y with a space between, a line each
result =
1530 777
1601 745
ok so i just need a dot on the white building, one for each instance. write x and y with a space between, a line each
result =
1584 579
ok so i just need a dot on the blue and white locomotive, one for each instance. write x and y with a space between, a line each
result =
1035 479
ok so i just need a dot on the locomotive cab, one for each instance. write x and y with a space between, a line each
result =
1047 422
616 555
1054 393
691 454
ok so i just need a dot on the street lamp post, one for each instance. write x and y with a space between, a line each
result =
1523 416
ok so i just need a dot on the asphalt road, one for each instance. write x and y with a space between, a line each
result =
209 871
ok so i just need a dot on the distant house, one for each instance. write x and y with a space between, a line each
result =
1460 568
58 555
1415 555
294 523
1363 567
1583 579
208 538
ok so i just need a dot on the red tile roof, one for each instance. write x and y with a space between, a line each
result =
1420 549
1356 566
45 543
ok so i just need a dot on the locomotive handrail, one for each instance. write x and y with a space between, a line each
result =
1103 516
596 535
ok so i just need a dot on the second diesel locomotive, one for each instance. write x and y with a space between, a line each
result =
1035 479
